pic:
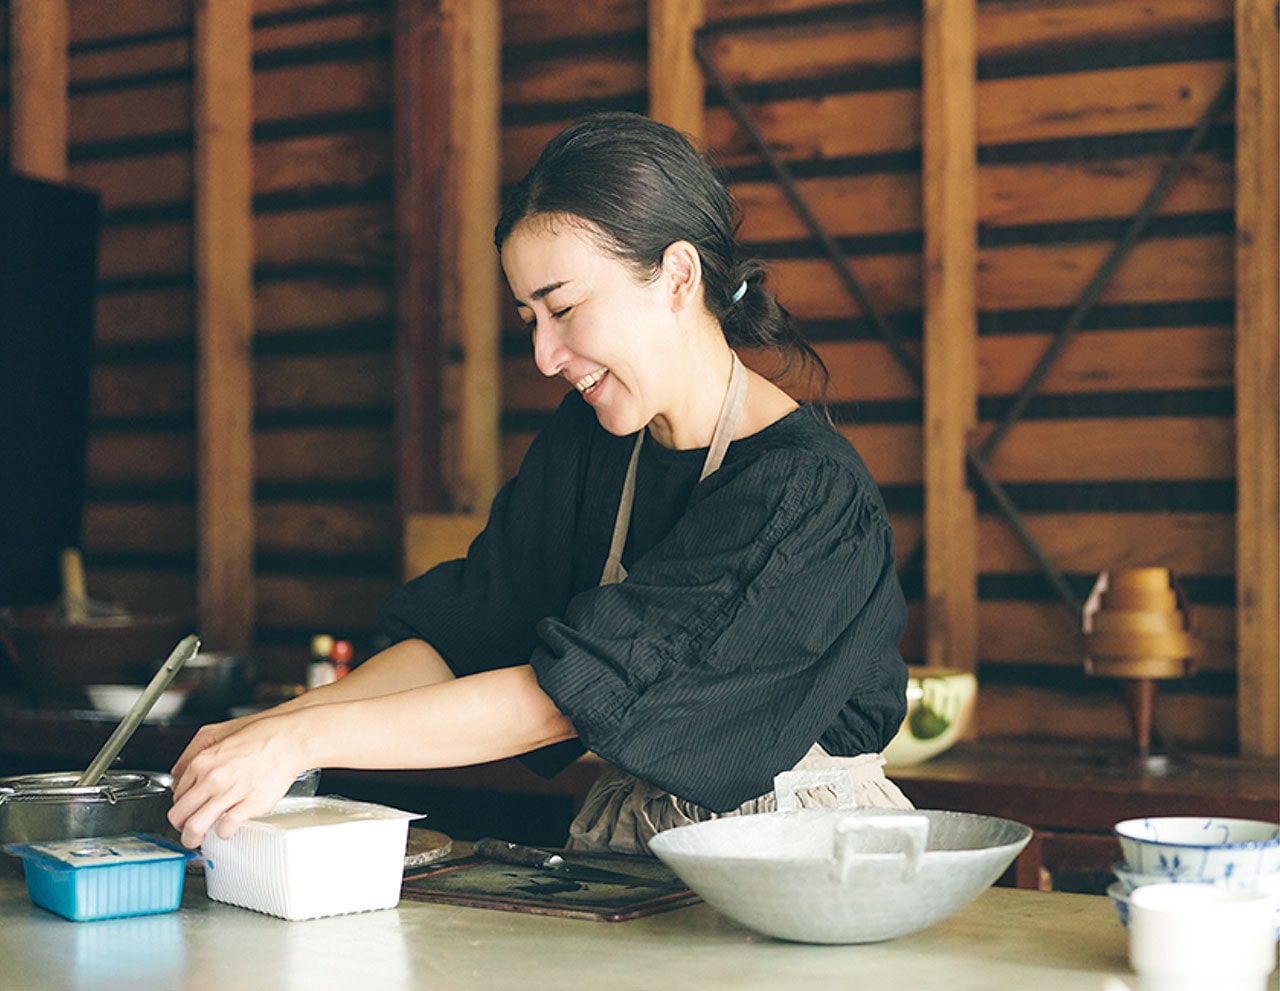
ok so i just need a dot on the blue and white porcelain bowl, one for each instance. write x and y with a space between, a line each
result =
1131 879
1120 899
1193 848
1121 889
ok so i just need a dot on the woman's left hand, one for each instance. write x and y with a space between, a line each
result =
237 777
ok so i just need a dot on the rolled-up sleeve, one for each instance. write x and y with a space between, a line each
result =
740 639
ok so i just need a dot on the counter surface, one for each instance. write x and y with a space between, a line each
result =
1007 939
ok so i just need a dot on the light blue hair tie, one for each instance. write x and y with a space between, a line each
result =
742 291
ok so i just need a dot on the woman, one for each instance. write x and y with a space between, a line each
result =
692 574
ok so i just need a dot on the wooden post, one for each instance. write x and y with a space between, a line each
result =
421 113
470 282
38 34
224 320
1257 378
675 79
950 329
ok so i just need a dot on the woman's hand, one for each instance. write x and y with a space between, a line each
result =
235 771
220 778
208 735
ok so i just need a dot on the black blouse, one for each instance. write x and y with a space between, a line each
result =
761 612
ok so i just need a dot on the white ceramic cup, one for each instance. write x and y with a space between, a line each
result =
1196 937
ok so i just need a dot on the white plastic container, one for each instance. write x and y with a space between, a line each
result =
104 877
311 857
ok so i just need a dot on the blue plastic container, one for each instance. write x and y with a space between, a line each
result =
104 877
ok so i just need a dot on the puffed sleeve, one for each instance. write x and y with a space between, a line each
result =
769 615
480 612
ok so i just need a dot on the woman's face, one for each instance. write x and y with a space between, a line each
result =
595 324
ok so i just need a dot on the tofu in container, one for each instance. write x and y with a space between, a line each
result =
311 857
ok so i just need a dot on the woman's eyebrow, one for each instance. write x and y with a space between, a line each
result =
546 290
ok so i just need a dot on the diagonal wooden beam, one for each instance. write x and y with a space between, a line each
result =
1097 284
885 329
945 32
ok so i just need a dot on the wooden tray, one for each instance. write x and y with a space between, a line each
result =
479 883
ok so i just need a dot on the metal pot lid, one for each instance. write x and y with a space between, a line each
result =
60 786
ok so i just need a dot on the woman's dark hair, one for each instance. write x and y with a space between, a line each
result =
640 186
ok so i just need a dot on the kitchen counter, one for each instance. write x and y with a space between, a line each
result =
1007 939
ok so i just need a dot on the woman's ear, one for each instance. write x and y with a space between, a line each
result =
682 270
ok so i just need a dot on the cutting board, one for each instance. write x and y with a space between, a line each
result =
480 883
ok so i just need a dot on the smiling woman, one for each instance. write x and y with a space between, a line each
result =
692 574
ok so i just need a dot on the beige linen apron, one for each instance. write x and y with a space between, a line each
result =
621 813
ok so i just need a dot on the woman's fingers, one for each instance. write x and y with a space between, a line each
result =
231 772
205 737
207 806
196 813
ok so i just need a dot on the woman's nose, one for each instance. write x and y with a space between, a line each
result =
549 352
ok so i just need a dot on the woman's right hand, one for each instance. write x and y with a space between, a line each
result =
206 736
234 771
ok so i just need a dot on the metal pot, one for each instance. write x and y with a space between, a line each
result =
35 807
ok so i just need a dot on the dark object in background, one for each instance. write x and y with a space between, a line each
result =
217 683
55 659
48 269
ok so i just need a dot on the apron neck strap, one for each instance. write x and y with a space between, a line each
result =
726 423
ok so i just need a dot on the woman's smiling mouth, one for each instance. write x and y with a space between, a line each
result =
588 382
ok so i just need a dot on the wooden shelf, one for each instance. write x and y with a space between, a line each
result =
1072 796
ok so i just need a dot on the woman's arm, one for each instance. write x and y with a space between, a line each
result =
481 717
402 666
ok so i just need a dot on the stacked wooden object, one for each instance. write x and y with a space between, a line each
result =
1138 629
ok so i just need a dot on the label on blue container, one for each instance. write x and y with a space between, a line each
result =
105 851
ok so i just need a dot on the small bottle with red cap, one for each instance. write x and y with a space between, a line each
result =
341 655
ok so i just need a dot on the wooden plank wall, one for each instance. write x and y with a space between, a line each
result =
1127 455
327 533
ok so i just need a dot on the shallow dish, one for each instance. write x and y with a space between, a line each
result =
841 875
1196 848
117 700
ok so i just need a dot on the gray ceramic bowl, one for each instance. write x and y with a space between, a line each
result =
841 875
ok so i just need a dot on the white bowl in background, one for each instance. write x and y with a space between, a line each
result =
1200 848
940 703
117 700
